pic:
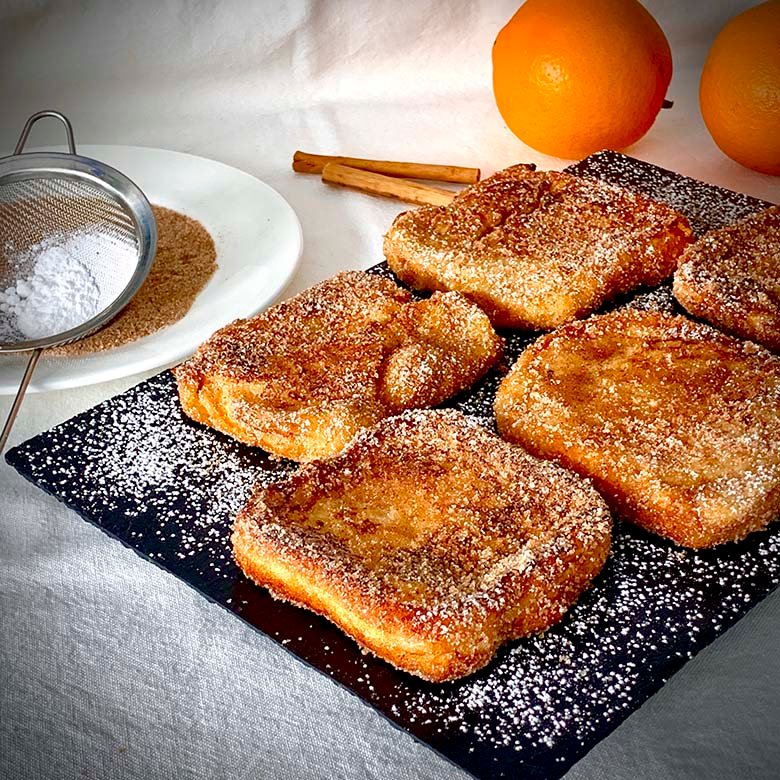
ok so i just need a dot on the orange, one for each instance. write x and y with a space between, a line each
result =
739 93
571 78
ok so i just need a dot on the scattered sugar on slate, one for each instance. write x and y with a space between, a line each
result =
176 481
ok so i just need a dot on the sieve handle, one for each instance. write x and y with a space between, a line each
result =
28 126
28 372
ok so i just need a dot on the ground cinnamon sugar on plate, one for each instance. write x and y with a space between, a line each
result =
186 259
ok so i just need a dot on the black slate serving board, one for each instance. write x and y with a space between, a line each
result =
168 488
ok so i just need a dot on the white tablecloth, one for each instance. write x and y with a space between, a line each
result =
112 668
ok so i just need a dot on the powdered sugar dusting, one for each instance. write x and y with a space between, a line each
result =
303 377
653 608
731 278
705 206
436 529
537 249
678 424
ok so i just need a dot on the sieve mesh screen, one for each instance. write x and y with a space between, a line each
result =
41 210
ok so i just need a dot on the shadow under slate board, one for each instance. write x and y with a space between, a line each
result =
169 488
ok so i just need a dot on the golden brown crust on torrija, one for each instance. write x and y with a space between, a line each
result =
301 379
429 540
731 278
536 249
677 424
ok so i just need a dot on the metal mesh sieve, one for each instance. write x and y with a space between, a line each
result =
47 211
50 199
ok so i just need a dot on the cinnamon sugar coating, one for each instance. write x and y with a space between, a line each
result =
677 424
301 379
731 278
536 249
429 540
185 260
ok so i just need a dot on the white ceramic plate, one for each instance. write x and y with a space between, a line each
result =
258 241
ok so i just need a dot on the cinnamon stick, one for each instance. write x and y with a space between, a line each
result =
377 184
303 162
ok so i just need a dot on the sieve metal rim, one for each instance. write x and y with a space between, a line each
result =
121 189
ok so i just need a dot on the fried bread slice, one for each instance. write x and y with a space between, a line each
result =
428 540
731 278
677 424
536 249
301 379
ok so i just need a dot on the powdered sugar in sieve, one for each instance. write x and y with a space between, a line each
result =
59 291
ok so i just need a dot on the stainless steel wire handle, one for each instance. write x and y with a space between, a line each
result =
16 405
40 115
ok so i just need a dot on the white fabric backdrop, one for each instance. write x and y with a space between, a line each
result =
111 668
